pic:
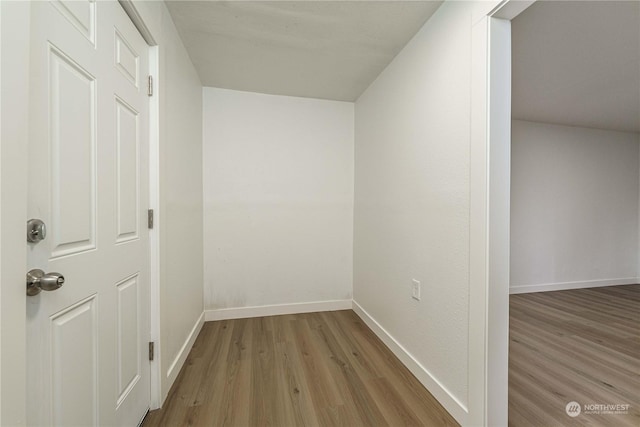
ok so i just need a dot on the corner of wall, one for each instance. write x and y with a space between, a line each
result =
456 408
177 363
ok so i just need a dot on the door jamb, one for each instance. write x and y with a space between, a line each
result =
154 199
154 234
490 176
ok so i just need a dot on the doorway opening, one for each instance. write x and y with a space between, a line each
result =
575 138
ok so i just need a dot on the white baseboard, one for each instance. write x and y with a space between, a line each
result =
444 396
181 357
275 310
546 287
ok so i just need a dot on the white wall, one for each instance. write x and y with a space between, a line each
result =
180 203
574 207
278 194
412 204
180 220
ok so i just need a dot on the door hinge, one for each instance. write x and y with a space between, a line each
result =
150 219
151 348
150 86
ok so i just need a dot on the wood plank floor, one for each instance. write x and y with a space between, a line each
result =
311 369
579 345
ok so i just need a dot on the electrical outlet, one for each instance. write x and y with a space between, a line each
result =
415 290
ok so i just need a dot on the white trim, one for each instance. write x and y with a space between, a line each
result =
499 217
275 310
156 397
490 182
510 9
137 20
439 391
154 234
478 229
181 357
561 286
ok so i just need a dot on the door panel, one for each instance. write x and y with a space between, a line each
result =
127 171
126 59
128 341
88 181
73 146
74 339
81 14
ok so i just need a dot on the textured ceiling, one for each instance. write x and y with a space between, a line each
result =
317 49
578 63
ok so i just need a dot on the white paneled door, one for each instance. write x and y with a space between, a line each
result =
88 182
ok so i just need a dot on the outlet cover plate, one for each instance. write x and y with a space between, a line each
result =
415 289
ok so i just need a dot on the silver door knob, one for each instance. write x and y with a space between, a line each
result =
37 281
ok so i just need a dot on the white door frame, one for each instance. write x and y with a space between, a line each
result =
490 186
154 197
154 234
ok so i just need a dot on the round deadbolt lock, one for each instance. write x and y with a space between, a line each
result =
36 230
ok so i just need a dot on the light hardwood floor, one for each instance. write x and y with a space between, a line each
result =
307 369
579 345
